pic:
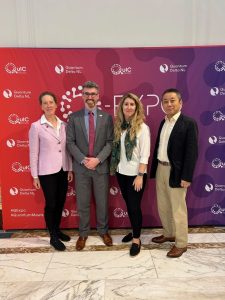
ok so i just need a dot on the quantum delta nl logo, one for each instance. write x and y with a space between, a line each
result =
216 91
164 68
60 69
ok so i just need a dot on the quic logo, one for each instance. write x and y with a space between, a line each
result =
220 66
70 191
15 119
218 116
214 91
217 209
59 69
217 163
7 93
17 167
11 68
163 68
117 69
120 213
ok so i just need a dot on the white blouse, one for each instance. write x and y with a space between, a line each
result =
141 152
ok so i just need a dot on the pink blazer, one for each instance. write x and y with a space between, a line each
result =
48 152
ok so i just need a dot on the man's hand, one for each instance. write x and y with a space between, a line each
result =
91 162
185 184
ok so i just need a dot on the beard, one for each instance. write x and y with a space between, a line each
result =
90 103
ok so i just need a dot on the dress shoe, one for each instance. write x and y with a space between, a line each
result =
62 236
56 243
176 252
135 249
127 238
80 244
162 239
107 240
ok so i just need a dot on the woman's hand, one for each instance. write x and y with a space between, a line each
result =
36 183
70 176
138 183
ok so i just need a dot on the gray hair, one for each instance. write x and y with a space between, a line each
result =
91 84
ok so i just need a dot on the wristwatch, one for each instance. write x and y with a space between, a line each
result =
140 174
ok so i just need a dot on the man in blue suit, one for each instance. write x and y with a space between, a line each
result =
89 141
173 164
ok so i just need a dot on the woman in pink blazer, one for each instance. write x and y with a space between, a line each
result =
51 165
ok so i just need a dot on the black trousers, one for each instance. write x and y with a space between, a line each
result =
54 187
133 201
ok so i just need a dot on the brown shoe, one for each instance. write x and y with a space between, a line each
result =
107 240
80 244
162 239
176 252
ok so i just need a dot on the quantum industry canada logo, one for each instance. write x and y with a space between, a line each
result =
164 68
218 116
220 66
117 69
60 69
17 120
217 163
17 167
120 213
216 209
11 68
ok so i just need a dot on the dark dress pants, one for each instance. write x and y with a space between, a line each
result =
133 201
54 187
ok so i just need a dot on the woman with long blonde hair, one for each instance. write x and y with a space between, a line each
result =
130 154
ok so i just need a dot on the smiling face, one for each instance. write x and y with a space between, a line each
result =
129 108
90 97
171 104
48 105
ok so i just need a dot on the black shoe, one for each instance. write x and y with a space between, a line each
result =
127 238
135 249
63 237
57 244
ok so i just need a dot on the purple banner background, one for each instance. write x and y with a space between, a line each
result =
198 72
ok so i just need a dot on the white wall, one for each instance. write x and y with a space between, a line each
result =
111 23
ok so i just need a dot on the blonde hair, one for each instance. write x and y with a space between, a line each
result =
136 120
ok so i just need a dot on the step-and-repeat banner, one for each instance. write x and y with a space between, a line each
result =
198 72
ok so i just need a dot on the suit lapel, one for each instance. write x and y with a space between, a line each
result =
98 123
48 129
82 124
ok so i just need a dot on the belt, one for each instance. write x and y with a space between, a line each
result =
164 163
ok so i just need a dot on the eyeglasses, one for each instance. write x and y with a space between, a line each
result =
90 94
